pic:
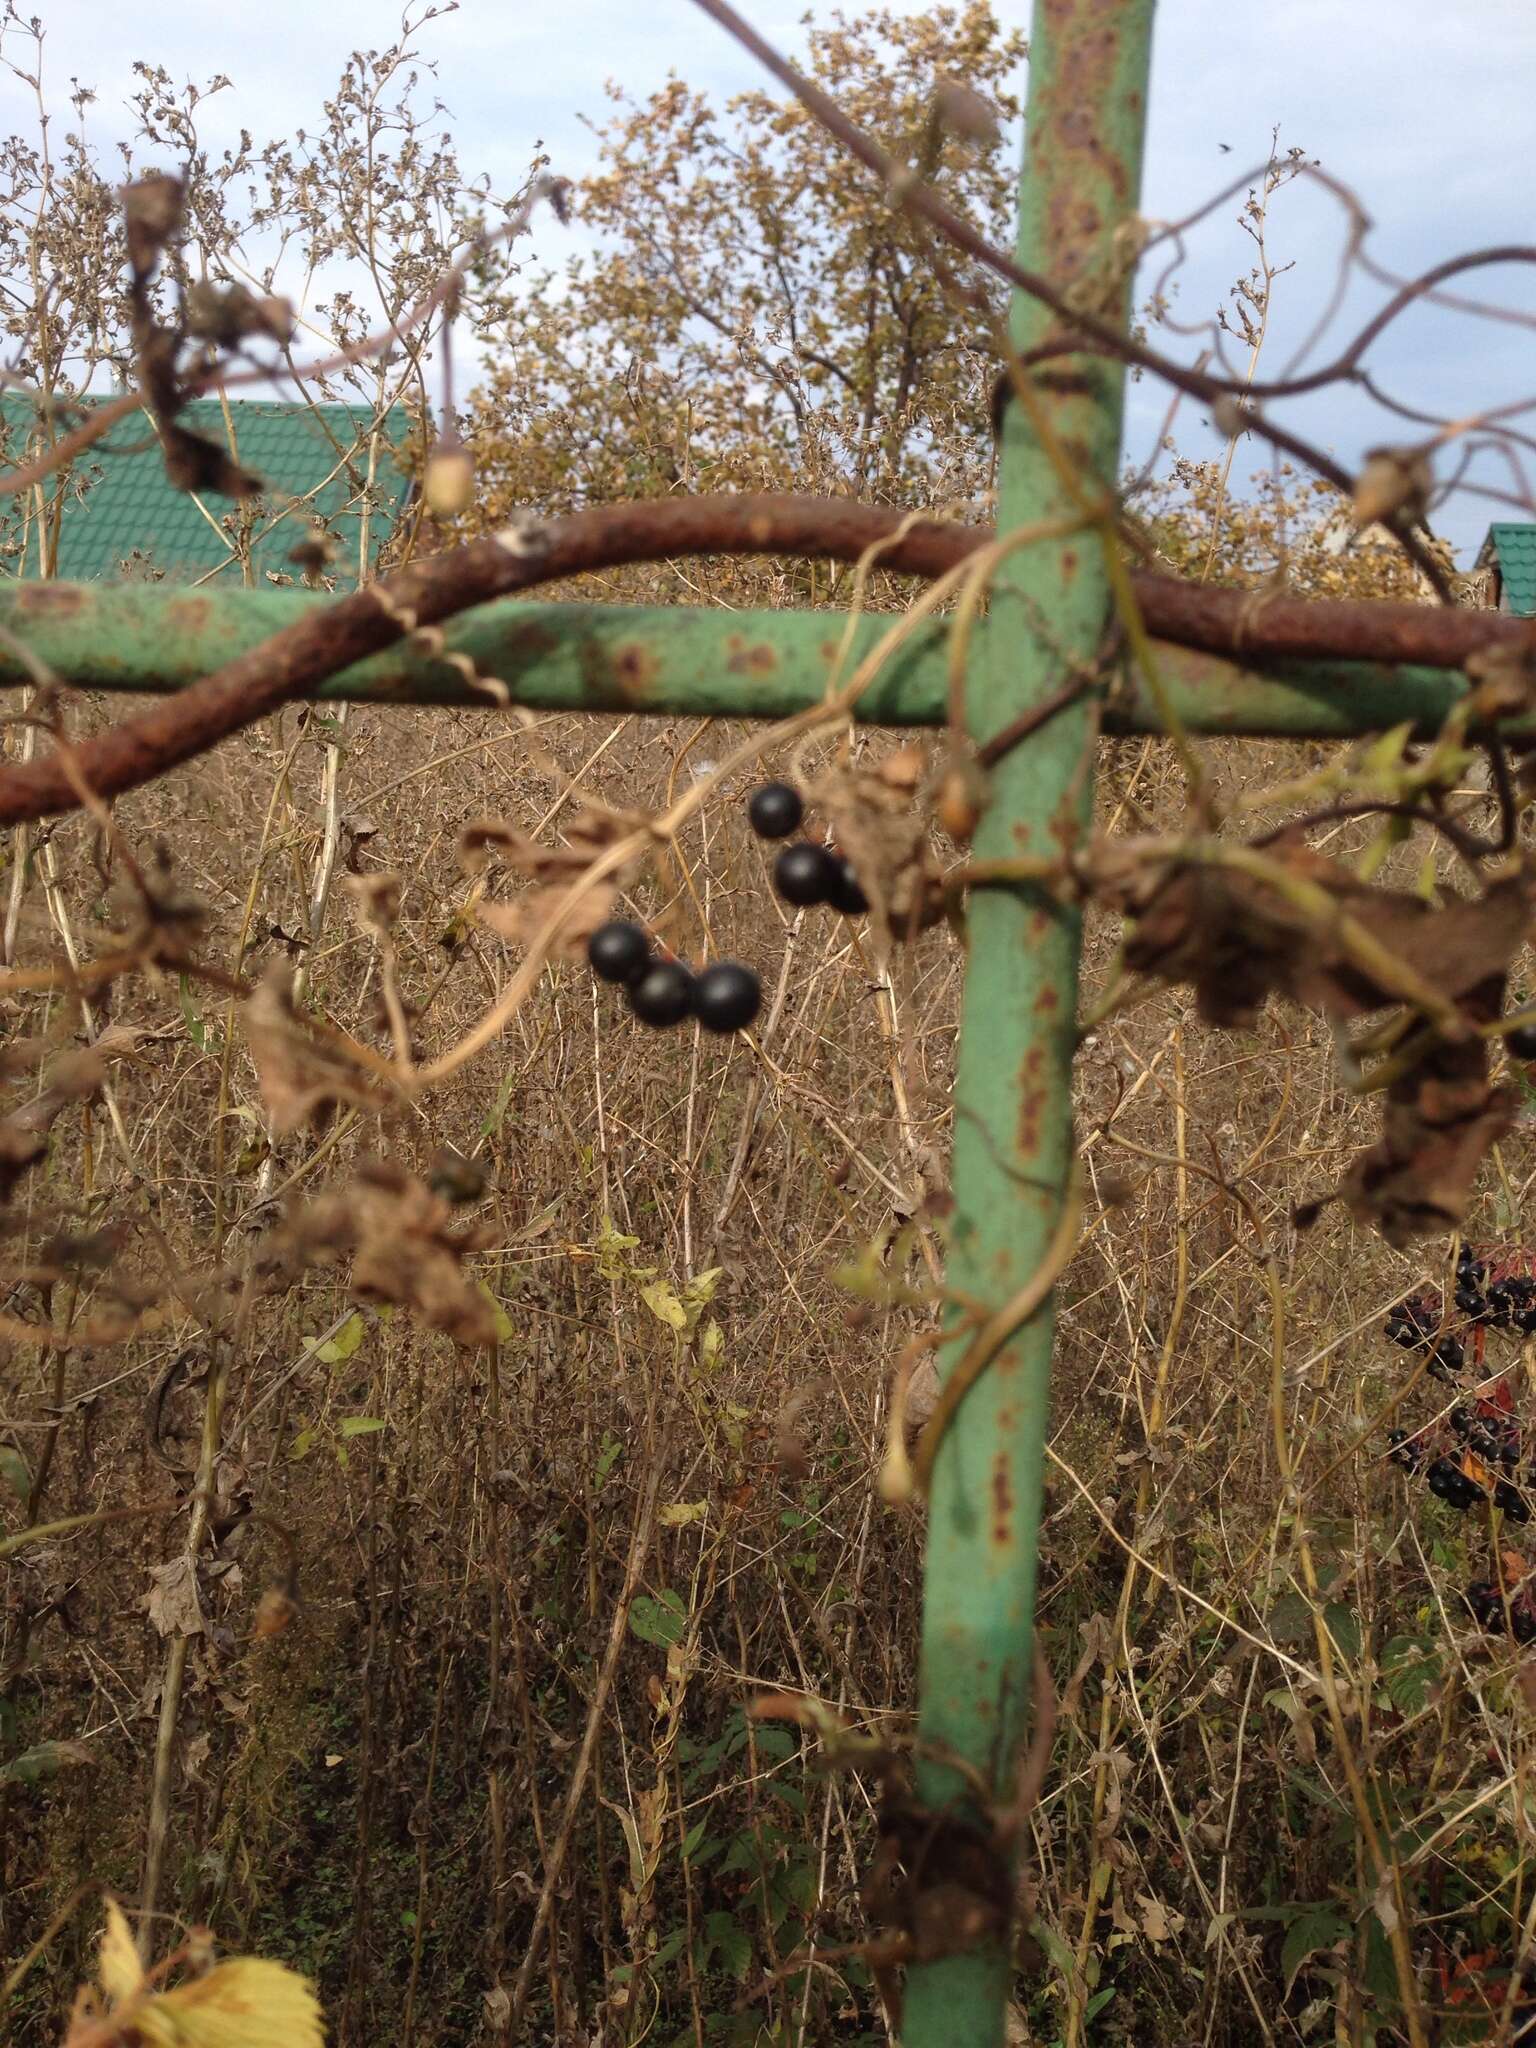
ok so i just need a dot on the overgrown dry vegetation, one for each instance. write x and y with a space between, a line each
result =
453 1474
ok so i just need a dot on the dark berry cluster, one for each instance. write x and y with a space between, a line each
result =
1469 1459
1496 1610
725 996
806 873
1418 1324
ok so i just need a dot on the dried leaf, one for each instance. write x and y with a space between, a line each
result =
1236 940
118 1969
1439 1125
408 1255
172 1600
301 1082
879 826
554 872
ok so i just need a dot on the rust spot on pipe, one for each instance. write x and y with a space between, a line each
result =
1031 1102
745 658
635 669
1002 1501
49 600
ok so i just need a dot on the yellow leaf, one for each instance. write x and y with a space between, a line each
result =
119 1968
244 2003
662 1302
677 1514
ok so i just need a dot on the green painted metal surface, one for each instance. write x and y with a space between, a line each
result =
121 516
1013 1145
1511 544
672 661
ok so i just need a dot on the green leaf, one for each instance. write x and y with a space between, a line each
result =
502 1320
1408 1672
1097 2003
303 1444
14 1472
196 1030
660 1621
46 1761
609 1454
1343 1627
611 1247
1290 1619
360 1425
700 1291
1055 1948
345 1342
1314 1928
725 1937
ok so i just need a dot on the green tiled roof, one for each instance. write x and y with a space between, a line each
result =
1512 547
123 517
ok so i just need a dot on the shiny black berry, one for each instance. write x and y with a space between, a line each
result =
846 896
1485 1604
1522 1042
729 996
1512 1501
619 951
664 994
1452 1485
1407 1451
805 874
774 810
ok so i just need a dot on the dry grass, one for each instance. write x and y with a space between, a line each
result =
377 1792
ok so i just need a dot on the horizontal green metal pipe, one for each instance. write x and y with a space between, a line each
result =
666 660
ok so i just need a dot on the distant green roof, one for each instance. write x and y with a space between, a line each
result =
122 517
1511 549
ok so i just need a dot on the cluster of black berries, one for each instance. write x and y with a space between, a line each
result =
1418 1324
1497 1610
1507 1303
725 996
1473 1458
804 874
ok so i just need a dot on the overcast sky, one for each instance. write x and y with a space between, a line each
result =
1427 111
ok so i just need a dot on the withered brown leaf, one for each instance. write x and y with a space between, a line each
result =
882 830
172 1600
553 871
408 1254
1439 1122
300 1080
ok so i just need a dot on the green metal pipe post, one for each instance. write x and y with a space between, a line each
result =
1013 1144
673 661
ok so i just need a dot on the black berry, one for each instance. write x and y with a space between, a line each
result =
729 996
619 951
805 874
847 897
1511 1500
774 810
1522 1042
1452 1485
664 995
1486 1604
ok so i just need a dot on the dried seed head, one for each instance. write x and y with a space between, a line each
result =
958 802
449 484
965 112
